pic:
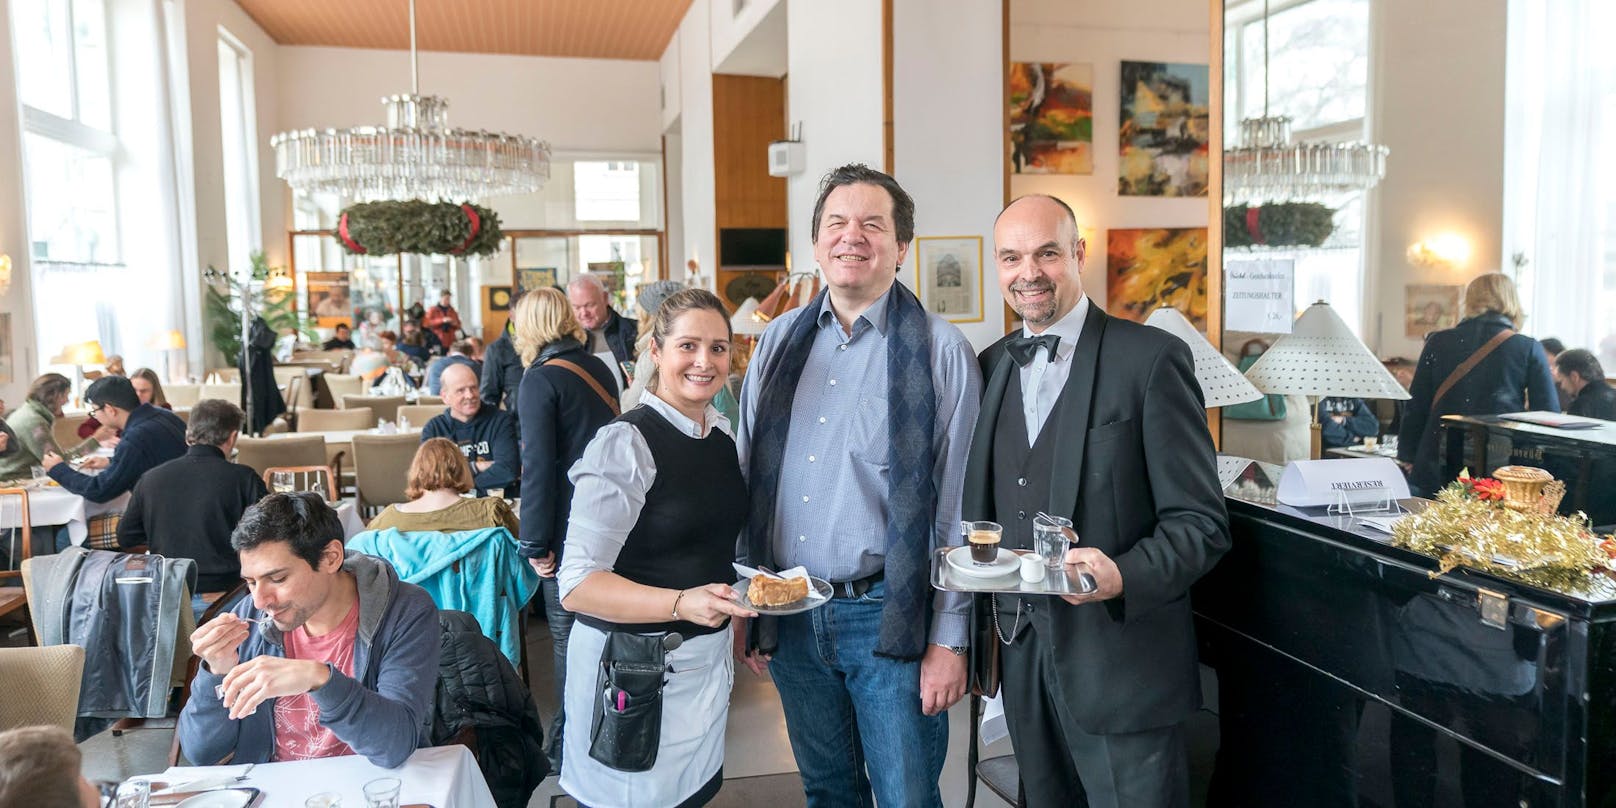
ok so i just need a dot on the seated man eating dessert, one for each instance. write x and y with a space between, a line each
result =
332 655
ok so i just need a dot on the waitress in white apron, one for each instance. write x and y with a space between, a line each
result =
659 501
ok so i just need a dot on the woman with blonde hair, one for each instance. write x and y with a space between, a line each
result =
567 394
438 476
1481 366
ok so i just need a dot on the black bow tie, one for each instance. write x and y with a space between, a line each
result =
1023 349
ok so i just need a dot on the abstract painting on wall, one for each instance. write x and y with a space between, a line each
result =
1052 118
1164 128
1154 267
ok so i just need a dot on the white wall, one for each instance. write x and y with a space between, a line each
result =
751 42
668 76
17 345
1445 129
834 91
948 137
1104 35
697 193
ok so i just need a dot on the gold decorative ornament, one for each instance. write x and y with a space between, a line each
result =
1523 485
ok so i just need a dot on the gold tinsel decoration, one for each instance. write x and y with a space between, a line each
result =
1536 545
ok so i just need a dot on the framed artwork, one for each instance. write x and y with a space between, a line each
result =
1429 307
1051 118
329 299
6 372
499 297
1163 130
536 278
1154 267
948 276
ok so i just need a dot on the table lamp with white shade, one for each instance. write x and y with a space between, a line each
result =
168 342
1221 382
1321 358
742 321
78 355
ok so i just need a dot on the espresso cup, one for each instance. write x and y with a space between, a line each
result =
984 539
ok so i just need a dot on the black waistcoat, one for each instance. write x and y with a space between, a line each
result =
686 533
1021 473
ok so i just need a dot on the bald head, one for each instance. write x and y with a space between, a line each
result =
1040 259
459 387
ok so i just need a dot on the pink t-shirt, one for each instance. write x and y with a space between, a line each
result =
299 735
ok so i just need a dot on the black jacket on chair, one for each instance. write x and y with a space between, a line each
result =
1134 470
560 414
482 703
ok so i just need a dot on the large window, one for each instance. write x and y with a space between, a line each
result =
606 191
239 135
1313 68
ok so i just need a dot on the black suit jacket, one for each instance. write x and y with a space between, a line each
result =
1136 472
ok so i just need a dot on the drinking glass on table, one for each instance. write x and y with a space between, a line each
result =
282 482
382 793
496 493
133 794
36 472
324 799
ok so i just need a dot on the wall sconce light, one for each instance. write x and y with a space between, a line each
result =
5 273
1446 251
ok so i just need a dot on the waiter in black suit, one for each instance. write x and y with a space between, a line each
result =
1099 420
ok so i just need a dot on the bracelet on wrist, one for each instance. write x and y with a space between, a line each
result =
676 599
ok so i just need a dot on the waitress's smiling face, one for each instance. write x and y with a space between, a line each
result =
692 360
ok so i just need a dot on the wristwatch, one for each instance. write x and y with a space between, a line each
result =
959 650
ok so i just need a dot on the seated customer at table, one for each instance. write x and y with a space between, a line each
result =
148 388
460 353
1581 380
347 663
1346 421
341 339
438 476
39 767
486 436
186 508
31 425
151 437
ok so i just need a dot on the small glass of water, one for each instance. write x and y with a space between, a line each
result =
282 482
1049 538
134 794
324 799
382 793
496 493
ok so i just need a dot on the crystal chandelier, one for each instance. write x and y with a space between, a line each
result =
1267 166
415 156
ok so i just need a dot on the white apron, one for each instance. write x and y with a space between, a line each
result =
695 709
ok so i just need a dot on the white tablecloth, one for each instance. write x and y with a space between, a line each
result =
348 514
51 505
442 776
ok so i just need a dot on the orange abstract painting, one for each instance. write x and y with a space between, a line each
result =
1150 268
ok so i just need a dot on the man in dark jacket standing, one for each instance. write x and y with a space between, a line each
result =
605 329
485 435
1581 379
502 371
187 507
152 436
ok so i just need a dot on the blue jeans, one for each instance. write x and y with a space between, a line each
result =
853 717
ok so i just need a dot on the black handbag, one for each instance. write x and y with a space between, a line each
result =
627 726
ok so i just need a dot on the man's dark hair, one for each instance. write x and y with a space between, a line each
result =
341 326
114 390
1553 345
211 422
301 519
464 346
903 205
1581 362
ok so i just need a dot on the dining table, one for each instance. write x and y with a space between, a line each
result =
439 776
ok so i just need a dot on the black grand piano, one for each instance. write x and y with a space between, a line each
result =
1348 676
1584 458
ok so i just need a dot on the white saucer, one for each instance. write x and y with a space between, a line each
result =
960 559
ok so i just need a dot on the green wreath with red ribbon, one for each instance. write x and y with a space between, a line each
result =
1280 224
416 226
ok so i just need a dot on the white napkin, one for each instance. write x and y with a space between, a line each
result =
200 778
795 572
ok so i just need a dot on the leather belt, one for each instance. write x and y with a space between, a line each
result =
856 588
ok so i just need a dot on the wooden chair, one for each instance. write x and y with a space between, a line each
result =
65 430
381 468
425 400
227 391
20 546
263 454
308 478
225 375
336 420
999 773
419 414
384 407
46 684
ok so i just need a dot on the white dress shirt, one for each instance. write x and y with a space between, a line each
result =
610 482
1043 377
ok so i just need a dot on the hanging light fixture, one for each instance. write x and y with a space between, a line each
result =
1267 166
415 156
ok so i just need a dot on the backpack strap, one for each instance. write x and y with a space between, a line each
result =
1469 364
593 384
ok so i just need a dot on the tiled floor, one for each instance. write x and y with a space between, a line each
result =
758 766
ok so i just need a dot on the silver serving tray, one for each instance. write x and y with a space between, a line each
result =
1064 581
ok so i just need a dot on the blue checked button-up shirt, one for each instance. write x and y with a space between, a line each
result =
831 512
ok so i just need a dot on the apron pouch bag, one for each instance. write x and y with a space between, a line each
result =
627 725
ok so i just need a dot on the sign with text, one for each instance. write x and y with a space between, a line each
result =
1259 295
1358 481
